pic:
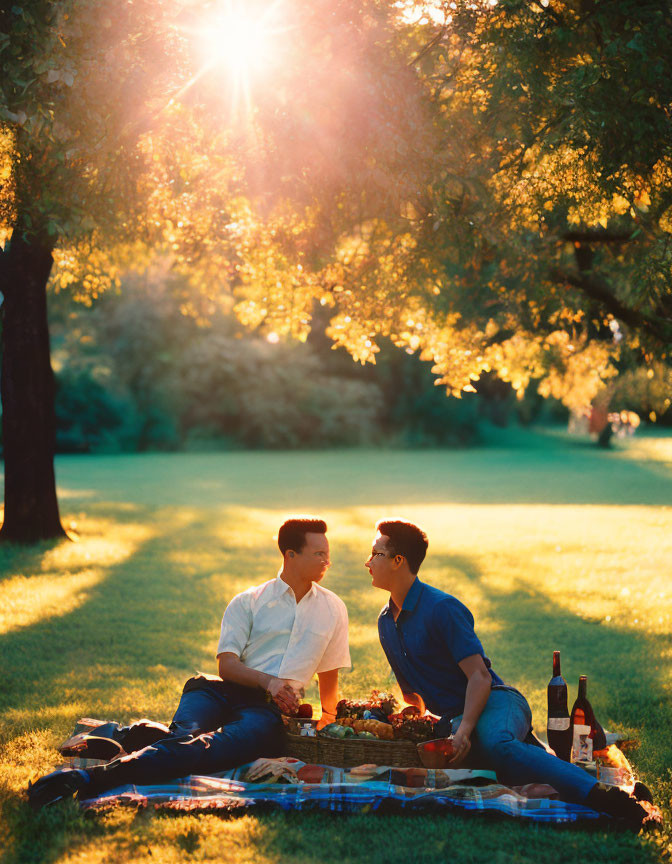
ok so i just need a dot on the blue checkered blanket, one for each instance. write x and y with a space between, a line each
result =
288 784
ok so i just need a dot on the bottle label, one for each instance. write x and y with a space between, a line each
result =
558 724
582 745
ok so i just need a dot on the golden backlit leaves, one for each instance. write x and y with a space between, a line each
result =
86 268
7 191
448 213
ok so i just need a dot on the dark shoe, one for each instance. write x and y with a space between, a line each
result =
141 734
109 740
56 786
85 746
641 792
617 803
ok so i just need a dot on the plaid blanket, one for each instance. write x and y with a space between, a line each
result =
289 784
344 792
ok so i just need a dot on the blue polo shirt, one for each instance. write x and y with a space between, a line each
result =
433 632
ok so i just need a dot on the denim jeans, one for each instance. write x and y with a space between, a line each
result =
498 743
217 726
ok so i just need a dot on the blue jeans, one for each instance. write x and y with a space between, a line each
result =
498 743
217 726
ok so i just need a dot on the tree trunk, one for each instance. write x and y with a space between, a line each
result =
28 420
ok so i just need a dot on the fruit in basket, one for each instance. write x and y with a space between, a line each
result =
366 735
380 730
351 708
412 727
305 711
379 704
408 711
385 702
335 730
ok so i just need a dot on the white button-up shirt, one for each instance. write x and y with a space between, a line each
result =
272 633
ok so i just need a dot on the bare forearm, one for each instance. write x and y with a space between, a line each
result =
328 684
478 693
232 669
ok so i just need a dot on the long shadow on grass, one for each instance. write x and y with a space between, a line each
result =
144 614
150 618
148 623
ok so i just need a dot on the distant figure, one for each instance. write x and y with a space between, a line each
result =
599 423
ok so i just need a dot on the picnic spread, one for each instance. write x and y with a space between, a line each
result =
291 783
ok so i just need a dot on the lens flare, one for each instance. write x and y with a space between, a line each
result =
237 41
235 44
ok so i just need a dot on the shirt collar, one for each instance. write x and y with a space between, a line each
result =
280 587
410 600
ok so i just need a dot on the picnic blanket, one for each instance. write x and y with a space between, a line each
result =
289 784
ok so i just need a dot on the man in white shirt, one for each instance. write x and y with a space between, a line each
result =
274 638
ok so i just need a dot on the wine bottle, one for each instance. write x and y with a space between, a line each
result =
587 734
558 728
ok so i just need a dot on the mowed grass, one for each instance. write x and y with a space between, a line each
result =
552 543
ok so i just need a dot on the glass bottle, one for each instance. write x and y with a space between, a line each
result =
587 734
558 728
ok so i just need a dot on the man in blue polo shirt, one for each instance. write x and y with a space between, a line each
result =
429 640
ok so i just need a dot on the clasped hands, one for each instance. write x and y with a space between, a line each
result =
285 693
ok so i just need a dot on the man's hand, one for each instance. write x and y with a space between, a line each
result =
283 694
462 745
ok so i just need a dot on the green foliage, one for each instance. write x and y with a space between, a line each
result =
136 373
88 417
648 392
498 174
150 377
273 395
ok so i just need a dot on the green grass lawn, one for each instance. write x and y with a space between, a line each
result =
552 543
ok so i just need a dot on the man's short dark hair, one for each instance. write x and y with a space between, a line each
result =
292 533
405 539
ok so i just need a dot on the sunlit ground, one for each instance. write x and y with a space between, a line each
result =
551 542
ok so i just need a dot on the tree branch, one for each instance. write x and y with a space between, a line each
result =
428 47
598 236
597 289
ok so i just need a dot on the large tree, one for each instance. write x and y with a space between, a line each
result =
457 177
82 82
540 248
127 127
516 219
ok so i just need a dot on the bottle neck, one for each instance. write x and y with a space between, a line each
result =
583 681
556 664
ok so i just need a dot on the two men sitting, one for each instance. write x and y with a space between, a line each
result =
276 636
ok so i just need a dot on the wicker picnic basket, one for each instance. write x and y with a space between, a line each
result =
349 752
